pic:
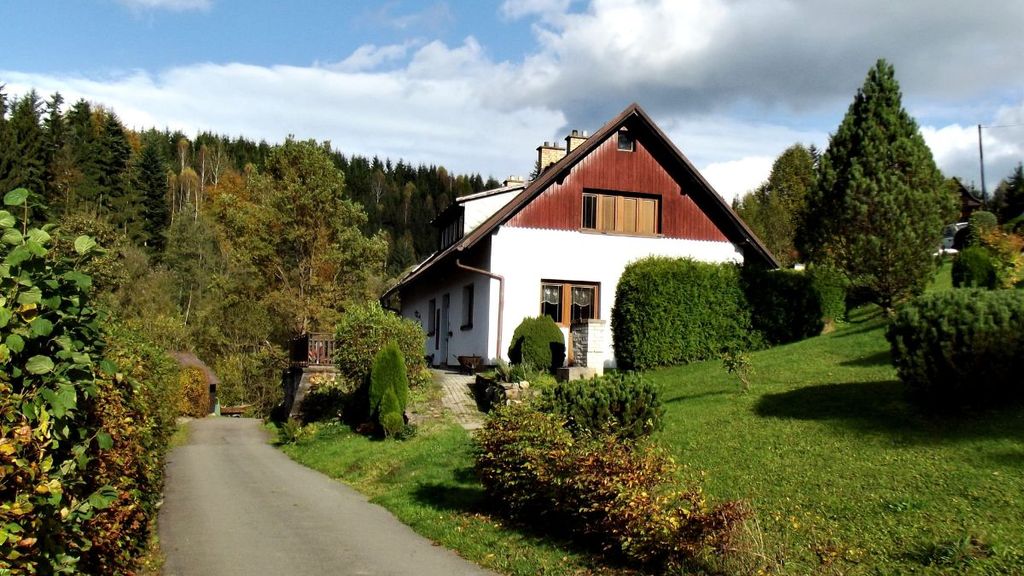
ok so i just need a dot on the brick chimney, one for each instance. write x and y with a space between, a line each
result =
548 154
574 139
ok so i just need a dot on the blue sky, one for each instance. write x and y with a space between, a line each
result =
476 86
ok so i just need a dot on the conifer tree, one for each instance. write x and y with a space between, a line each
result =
151 184
879 205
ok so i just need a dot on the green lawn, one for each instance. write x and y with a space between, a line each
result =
843 475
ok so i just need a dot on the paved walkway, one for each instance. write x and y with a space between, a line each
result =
233 505
458 398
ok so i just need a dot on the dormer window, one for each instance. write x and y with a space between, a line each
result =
626 143
453 231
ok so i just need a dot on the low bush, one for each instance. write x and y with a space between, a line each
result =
676 310
973 268
329 398
961 346
784 304
626 497
365 329
538 342
622 404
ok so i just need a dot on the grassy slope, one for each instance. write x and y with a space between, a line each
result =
841 469
844 476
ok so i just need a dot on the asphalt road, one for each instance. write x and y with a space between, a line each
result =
235 505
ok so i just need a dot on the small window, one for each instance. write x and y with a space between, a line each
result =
566 302
467 307
626 143
590 211
432 318
551 301
582 307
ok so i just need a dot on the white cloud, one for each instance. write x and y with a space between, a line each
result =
174 5
370 57
735 178
521 8
733 82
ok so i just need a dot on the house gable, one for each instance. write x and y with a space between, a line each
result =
605 169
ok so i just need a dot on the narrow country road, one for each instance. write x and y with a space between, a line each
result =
235 505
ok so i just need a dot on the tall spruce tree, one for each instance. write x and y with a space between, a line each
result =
151 184
879 205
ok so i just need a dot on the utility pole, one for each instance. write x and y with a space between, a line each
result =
981 161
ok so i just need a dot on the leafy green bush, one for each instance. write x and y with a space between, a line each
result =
364 330
389 390
621 495
677 310
784 304
973 268
538 342
81 441
622 404
961 346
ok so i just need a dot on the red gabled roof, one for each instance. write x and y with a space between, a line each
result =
737 230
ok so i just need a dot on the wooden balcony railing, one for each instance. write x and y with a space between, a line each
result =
316 349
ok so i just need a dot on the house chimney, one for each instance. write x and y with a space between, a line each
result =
512 180
574 139
548 154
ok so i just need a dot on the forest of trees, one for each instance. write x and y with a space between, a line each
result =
222 246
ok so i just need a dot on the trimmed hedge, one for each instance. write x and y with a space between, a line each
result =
973 268
784 305
538 342
623 404
674 311
623 496
961 346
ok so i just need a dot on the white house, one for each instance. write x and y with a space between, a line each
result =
558 245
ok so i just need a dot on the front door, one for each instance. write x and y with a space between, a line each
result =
445 331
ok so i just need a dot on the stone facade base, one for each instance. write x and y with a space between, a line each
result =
577 372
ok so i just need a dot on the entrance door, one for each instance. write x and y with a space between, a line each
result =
445 330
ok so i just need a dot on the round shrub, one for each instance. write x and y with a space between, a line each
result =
538 342
623 404
961 346
973 268
677 310
364 330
